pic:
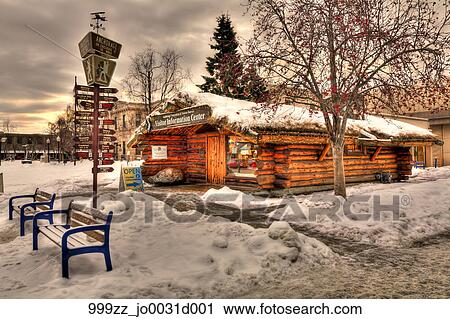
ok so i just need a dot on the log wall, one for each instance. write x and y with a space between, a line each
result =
301 165
176 153
281 166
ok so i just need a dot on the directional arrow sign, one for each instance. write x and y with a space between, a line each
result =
84 88
106 162
84 113
82 138
105 169
90 114
83 146
83 122
85 97
106 147
107 155
109 98
106 131
87 105
109 90
106 106
82 154
107 138
108 122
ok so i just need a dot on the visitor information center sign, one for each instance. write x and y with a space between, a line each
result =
186 117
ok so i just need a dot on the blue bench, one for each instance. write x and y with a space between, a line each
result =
86 231
39 201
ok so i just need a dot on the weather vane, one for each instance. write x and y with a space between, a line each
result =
99 18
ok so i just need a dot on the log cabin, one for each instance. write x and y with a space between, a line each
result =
280 149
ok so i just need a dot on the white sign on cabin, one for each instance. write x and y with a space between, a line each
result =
159 152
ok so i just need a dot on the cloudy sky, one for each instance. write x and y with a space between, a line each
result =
36 76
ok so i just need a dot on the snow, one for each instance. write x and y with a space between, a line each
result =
156 257
424 210
248 115
152 255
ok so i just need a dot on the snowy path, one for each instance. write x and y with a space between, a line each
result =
383 272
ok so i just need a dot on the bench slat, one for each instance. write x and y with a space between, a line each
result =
43 194
95 234
28 211
75 239
55 233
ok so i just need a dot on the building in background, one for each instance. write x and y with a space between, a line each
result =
128 116
439 123
422 155
19 146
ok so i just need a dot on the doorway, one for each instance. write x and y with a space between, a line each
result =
215 158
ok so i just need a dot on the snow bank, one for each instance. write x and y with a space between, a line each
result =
154 257
424 211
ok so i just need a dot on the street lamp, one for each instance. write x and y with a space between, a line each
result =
48 150
58 139
2 140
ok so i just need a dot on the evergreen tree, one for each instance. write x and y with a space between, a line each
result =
225 68
227 74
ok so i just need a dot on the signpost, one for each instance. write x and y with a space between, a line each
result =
98 70
97 52
94 43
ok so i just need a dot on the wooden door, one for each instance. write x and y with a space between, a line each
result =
216 159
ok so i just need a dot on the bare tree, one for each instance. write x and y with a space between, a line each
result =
8 125
336 55
154 76
64 127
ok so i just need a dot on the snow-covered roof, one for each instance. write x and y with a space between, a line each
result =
253 118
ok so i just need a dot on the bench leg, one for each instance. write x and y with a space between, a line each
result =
65 265
11 210
108 260
35 238
22 226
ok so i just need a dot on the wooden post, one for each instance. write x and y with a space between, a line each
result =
75 124
375 154
324 152
95 145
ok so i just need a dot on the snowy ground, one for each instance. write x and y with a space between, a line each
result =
153 256
423 206
156 255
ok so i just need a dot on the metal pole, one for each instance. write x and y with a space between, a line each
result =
95 144
48 152
1 153
59 153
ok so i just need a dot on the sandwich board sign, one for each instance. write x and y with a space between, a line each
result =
131 179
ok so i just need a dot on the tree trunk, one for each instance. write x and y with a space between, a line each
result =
339 173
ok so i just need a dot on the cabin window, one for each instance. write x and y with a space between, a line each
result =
241 157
